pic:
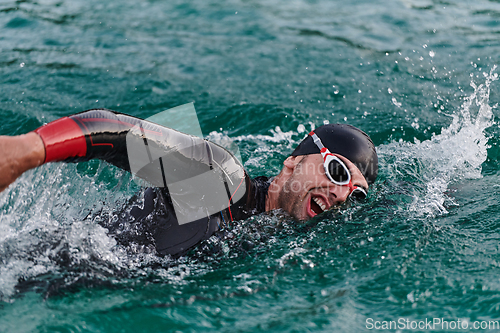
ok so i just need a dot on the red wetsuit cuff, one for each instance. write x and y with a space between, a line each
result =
63 139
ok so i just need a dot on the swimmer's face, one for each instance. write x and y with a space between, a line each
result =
307 191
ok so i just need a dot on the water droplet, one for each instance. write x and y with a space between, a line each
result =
410 297
395 102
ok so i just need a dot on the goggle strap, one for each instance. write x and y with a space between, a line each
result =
317 140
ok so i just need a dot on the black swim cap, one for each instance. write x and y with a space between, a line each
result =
348 141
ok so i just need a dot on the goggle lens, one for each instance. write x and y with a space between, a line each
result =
338 172
358 194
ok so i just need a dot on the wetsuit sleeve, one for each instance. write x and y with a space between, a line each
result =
98 133
198 174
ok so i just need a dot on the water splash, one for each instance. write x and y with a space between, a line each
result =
266 151
454 155
47 232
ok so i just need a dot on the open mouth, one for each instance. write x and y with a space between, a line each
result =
317 206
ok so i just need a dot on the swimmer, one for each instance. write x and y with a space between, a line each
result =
333 164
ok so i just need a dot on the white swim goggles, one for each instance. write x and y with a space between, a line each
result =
337 171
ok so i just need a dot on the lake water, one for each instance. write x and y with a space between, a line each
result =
417 75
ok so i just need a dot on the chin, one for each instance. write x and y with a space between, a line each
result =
301 216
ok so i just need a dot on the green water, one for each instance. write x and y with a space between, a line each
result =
424 245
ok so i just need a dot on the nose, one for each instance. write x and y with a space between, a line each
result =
339 193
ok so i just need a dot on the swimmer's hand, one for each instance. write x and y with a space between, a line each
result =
19 154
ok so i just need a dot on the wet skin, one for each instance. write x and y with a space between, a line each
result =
303 189
19 154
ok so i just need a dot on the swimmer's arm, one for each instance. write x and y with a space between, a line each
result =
19 154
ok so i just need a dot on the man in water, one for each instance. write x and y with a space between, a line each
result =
332 164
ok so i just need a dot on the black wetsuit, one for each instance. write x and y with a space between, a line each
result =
149 219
